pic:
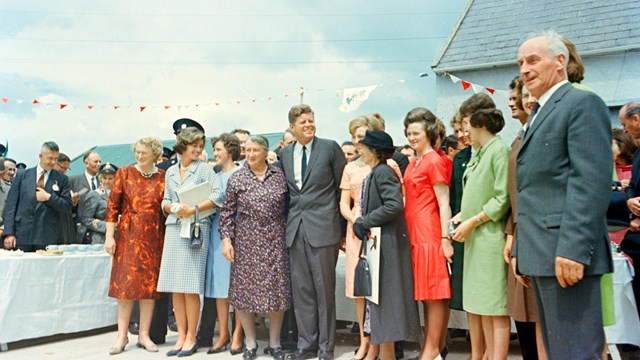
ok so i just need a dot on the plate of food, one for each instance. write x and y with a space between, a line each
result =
50 252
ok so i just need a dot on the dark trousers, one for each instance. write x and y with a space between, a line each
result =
30 248
527 340
313 281
570 318
207 322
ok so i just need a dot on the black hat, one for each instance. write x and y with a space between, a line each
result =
166 152
107 168
21 166
184 123
378 140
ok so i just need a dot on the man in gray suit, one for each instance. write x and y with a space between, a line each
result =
563 189
80 186
313 168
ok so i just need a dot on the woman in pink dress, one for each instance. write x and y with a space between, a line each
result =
351 186
427 213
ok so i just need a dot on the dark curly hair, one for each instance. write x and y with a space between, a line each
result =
230 142
428 120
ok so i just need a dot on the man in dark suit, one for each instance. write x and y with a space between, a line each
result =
630 120
80 185
313 169
36 198
563 177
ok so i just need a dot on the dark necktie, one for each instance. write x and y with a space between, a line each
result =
40 182
533 113
304 162
93 183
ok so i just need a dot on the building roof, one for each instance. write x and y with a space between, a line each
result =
489 32
122 154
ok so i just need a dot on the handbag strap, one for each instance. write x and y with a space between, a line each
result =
197 215
363 249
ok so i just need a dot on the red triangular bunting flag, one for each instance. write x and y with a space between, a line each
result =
90 107
142 108
5 100
35 102
166 107
62 106
116 107
465 85
490 90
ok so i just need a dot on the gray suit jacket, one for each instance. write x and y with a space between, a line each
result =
315 206
31 222
563 176
95 208
79 182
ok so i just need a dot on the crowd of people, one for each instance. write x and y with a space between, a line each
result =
467 223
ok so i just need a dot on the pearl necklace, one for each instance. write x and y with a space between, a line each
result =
183 168
149 174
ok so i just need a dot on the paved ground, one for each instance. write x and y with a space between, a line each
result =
97 347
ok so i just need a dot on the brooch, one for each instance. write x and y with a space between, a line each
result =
55 186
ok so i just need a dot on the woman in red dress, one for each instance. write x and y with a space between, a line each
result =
427 213
136 196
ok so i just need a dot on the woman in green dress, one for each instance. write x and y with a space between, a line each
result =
485 202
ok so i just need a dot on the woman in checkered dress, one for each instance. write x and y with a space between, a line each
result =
182 270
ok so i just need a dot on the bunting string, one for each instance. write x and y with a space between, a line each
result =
39 101
475 87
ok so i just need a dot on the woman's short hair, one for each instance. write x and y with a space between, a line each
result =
151 143
260 140
382 154
230 142
428 120
516 85
575 66
491 119
476 102
186 137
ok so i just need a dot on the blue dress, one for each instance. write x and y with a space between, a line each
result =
218 272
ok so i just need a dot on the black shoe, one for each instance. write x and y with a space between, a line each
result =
173 327
134 328
250 354
189 352
214 350
444 352
325 355
277 353
301 355
159 341
236 351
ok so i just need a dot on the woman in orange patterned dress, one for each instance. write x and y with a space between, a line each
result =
136 196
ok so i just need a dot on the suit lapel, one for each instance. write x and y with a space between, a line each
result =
312 158
544 112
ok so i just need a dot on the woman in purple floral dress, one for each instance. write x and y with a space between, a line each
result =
252 226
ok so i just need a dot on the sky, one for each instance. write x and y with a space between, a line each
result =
242 63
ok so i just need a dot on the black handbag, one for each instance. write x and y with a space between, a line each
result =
196 233
362 280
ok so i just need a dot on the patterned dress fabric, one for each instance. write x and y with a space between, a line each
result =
218 273
422 213
139 235
352 177
183 268
254 217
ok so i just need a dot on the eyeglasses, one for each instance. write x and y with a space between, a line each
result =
63 168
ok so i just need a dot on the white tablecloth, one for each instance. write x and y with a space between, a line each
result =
46 295
626 330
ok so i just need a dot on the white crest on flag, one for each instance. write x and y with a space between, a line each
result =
352 98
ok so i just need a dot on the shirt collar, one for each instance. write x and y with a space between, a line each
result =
39 170
309 145
547 95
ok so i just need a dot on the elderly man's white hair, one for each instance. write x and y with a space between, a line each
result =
555 43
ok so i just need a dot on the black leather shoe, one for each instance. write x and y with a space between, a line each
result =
276 353
325 355
250 354
134 328
301 355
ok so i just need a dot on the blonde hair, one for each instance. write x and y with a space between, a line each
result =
186 137
373 121
152 144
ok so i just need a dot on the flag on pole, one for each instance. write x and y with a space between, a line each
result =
352 98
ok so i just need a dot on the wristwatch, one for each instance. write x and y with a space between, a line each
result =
479 220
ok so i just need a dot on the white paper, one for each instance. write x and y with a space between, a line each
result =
193 195
373 258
